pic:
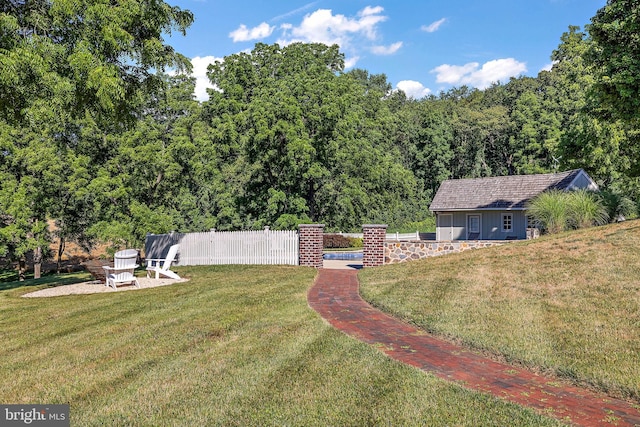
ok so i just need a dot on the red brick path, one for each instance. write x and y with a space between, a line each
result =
336 298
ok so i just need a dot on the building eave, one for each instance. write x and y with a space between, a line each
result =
477 209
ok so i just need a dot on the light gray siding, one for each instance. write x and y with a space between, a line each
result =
491 224
459 226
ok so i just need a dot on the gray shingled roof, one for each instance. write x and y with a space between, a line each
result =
500 192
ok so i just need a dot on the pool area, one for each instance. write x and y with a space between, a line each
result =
342 256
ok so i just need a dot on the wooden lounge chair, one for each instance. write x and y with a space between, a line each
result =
161 267
124 264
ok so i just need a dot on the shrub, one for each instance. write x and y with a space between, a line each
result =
586 209
550 211
619 207
355 242
556 211
290 222
335 241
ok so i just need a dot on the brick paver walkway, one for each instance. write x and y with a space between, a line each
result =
336 298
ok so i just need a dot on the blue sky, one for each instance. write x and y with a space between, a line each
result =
422 46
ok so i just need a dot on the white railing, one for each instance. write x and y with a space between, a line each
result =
353 235
389 236
228 247
403 236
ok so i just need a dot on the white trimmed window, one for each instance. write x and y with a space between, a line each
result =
507 222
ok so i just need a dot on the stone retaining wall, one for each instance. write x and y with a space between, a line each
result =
395 252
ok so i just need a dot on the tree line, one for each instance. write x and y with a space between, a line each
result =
97 136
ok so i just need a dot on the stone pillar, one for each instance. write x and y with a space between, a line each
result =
311 245
373 250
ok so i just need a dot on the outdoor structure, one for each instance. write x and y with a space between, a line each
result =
374 236
124 265
260 247
161 267
495 208
311 245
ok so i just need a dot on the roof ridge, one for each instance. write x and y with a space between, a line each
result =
568 172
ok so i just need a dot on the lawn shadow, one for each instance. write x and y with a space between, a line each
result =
52 280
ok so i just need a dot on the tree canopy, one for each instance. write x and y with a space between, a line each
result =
100 132
73 73
615 55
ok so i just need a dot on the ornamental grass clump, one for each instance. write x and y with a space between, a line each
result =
586 209
550 211
619 206
555 211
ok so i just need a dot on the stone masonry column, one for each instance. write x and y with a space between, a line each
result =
311 245
373 250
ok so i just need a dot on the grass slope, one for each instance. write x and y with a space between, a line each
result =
234 346
567 304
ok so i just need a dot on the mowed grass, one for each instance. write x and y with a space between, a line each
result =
234 346
566 304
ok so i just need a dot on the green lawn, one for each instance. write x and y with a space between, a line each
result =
236 345
567 304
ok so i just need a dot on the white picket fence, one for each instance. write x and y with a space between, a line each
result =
228 247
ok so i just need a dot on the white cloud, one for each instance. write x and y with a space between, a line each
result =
548 67
322 26
369 18
472 75
413 89
352 34
243 34
351 62
454 74
368 11
386 50
200 64
434 26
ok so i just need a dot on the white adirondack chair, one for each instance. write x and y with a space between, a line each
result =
124 264
161 267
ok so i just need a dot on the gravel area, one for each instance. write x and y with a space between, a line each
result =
96 287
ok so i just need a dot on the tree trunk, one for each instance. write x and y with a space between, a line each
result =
60 252
22 268
37 262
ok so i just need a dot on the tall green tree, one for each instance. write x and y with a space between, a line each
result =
424 136
536 135
615 56
141 187
480 134
67 67
307 142
587 140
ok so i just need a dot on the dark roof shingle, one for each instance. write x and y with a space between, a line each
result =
500 192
